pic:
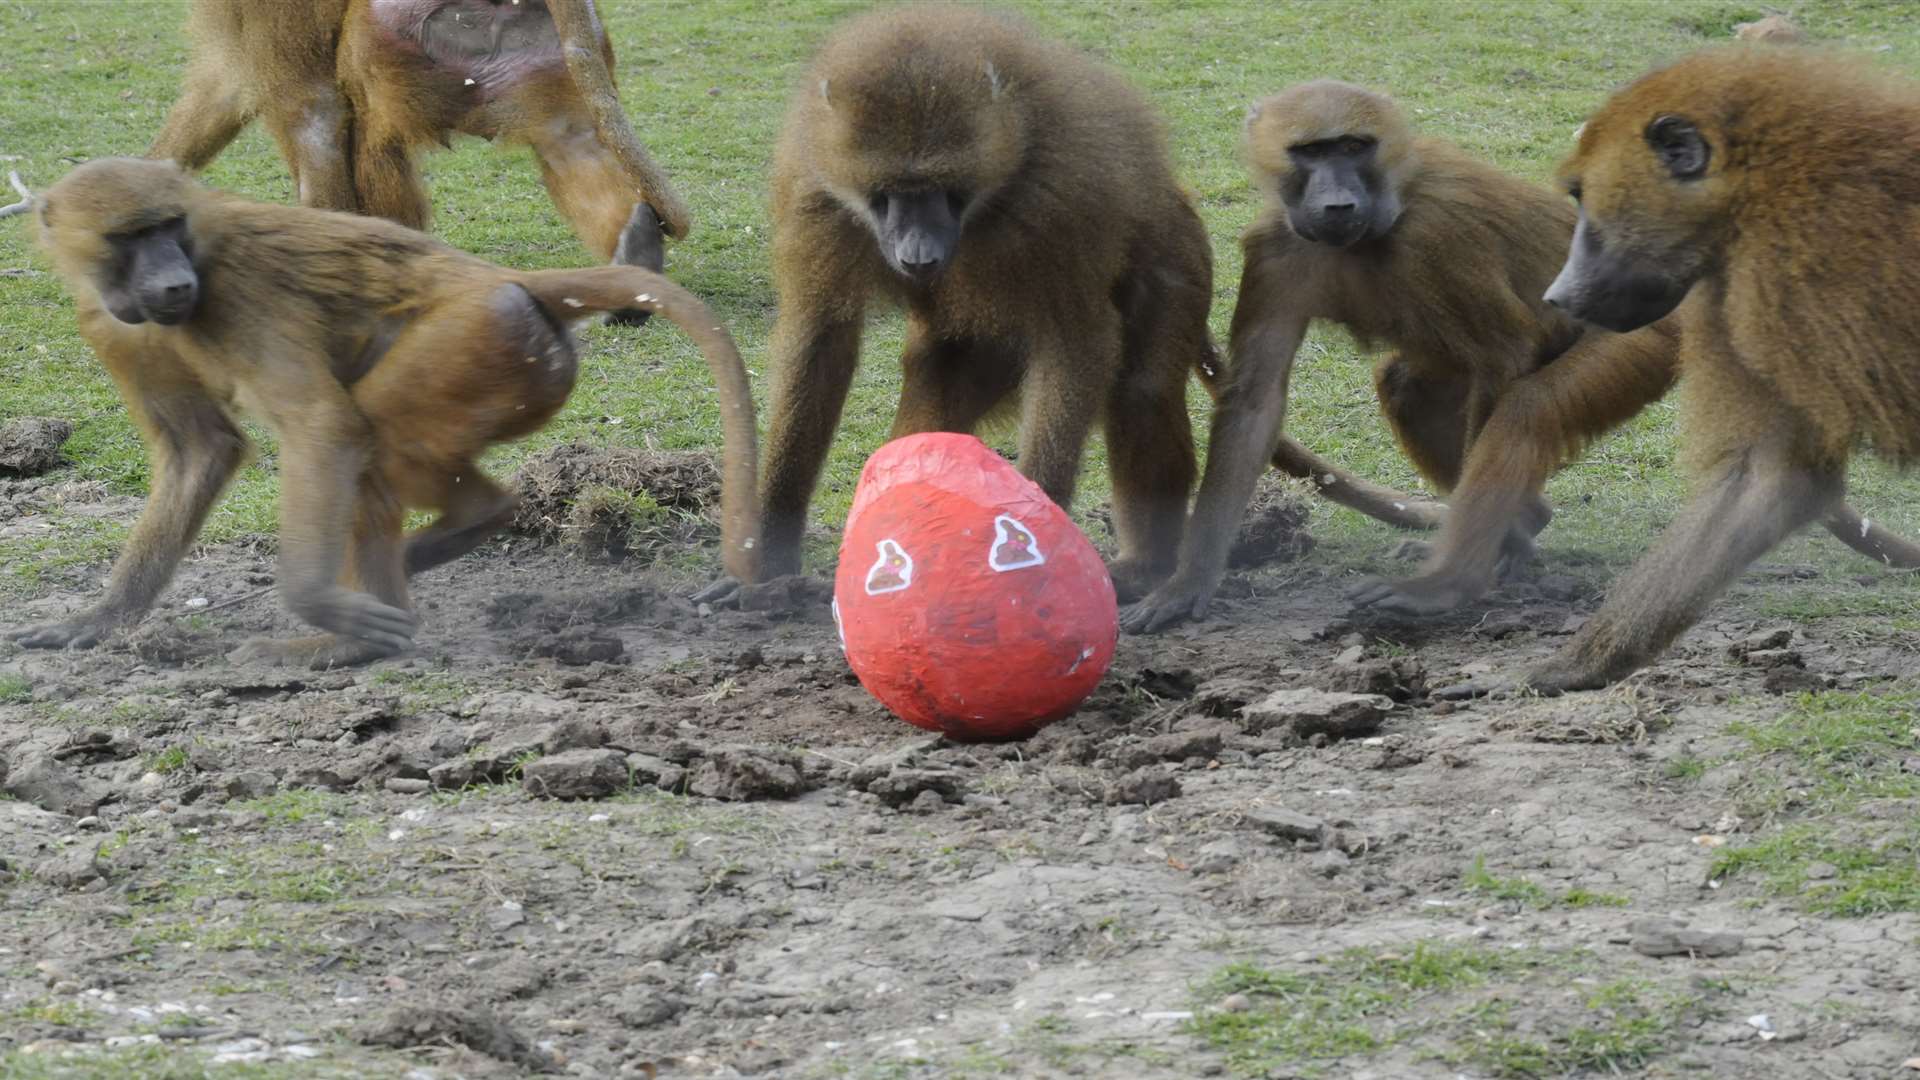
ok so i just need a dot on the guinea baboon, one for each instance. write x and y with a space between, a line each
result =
351 88
1410 242
1017 199
1775 188
385 362
1777 29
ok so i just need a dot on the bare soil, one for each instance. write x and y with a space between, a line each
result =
365 872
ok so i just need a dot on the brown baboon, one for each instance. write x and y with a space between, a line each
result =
1777 29
1410 242
1017 199
385 361
1777 189
351 88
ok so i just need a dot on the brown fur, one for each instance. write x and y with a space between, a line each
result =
385 362
350 89
1490 392
1080 280
1802 320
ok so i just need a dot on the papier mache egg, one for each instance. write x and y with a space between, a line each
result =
967 601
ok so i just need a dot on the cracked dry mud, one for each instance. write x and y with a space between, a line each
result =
589 829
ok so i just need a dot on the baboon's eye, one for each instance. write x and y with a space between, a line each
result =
1354 147
1682 150
877 202
956 202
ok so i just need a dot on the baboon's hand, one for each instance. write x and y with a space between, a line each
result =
1181 598
80 632
721 593
1550 678
1486 686
1426 595
642 243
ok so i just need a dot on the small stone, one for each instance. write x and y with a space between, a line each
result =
577 647
1144 787
1792 680
1774 658
1218 857
1235 1003
1822 871
252 784
30 445
406 785
1329 862
1302 714
1667 937
72 867
46 782
659 772
1776 638
1557 586
1286 824
576 774
1173 746
1399 678
574 733
741 773
927 802
903 785
507 916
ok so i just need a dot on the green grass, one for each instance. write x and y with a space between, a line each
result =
1441 1000
705 84
1833 783
15 690
1482 882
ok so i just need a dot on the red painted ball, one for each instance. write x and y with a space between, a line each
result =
968 602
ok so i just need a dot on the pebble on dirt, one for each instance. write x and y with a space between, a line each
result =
31 445
1667 937
407 1026
576 774
46 782
1144 787
1302 714
740 773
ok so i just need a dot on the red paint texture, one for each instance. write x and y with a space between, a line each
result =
932 629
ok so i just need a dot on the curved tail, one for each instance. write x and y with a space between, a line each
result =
573 294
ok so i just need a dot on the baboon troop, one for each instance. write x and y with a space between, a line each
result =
385 362
1736 224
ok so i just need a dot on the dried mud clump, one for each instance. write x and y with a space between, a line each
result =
618 502
31 445
1274 528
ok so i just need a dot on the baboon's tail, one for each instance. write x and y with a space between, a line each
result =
572 294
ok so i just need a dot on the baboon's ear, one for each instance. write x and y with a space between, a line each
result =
993 80
1679 146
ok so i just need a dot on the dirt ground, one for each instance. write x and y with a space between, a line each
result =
590 828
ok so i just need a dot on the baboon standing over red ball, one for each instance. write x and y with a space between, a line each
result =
1017 199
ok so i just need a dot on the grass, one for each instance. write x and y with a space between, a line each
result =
1833 783
1480 881
1440 1000
15 690
705 84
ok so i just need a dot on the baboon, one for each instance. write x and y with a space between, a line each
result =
385 362
350 89
1410 242
1774 191
1018 200
1777 29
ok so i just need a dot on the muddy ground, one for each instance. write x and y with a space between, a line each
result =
382 871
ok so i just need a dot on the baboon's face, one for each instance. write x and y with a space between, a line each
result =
1650 187
1336 193
122 226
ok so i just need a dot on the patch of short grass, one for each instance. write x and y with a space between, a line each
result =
1445 1000
164 1063
1480 881
171 760
15 690
1833 782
